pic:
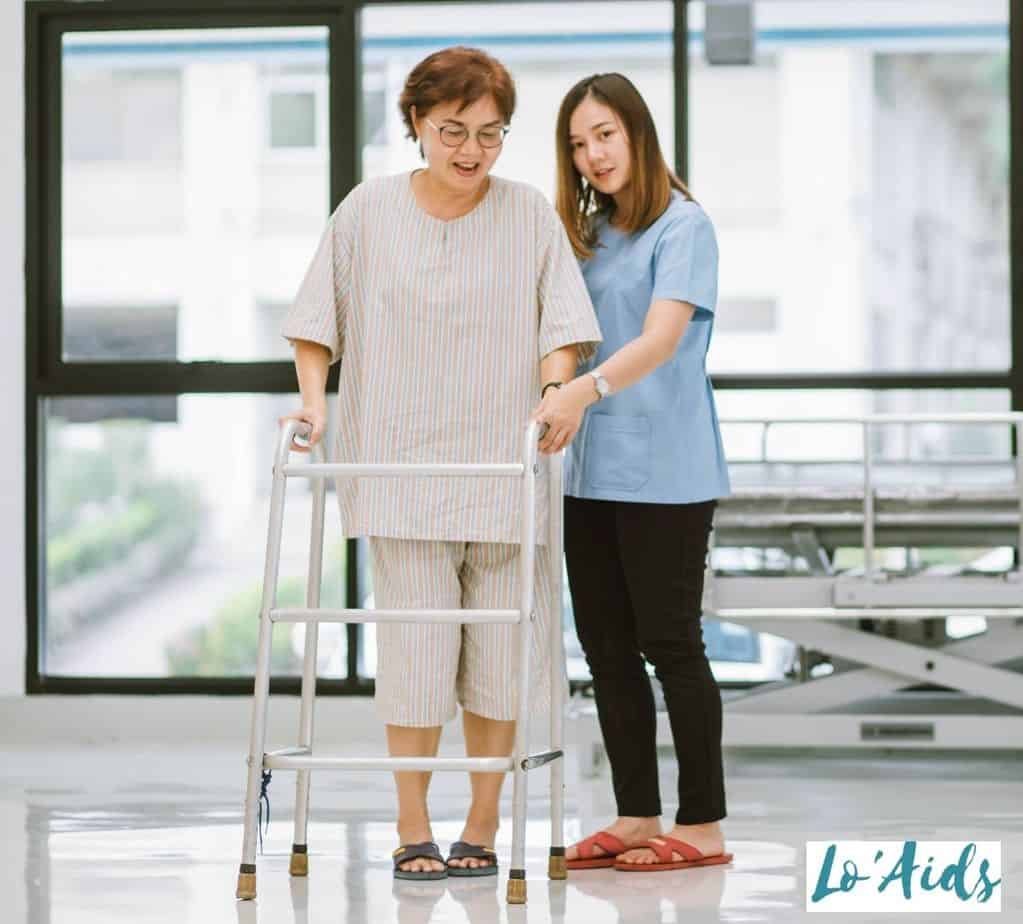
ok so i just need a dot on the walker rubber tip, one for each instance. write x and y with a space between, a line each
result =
557 868
246 886
299 864
516 891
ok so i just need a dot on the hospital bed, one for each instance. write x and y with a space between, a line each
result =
894 572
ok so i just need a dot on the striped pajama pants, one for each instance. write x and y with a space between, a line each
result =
425 671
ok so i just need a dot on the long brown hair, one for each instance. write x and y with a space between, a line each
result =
652 180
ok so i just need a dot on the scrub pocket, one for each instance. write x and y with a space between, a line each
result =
617 453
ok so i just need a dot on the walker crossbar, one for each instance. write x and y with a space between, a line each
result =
292 614
332 470
465 764
302 758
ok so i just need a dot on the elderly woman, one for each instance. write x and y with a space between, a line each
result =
451 296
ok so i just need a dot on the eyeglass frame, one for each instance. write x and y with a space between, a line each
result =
504 129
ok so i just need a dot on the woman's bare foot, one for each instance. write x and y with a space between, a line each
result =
628 830
483 833
707 838
418 834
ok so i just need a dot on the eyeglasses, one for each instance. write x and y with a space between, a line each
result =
452 136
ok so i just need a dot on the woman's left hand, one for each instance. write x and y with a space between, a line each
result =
562 410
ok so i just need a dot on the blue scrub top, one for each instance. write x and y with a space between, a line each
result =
657 441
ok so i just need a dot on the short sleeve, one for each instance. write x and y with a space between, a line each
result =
686 261
320 308
566 312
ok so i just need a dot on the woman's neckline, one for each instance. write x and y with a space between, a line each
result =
447 221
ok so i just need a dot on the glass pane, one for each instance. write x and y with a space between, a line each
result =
862 207
195 189
546 46
156 522
292 120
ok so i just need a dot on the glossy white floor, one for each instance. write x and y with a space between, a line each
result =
95 835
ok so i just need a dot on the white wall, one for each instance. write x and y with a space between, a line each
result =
12 350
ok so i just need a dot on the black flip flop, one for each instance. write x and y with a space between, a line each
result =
428 850
462 850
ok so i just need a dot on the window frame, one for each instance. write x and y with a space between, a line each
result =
47 375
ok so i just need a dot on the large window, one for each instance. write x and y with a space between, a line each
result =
863 194
183 161
193 181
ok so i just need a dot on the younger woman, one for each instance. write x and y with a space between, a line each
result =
643 475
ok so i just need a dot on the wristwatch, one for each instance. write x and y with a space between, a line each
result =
602 385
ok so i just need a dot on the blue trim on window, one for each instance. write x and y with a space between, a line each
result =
767 36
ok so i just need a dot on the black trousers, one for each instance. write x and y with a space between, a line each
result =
635 571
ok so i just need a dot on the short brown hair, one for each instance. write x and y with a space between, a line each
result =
652 180
456 74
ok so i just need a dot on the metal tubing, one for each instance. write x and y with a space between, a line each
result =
868 505
1019 488
303 614
812 518
555 545
431 764
527 578
1009 417
260 700
314 579
418 470
819 613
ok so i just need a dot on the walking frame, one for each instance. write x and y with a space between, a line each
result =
303 757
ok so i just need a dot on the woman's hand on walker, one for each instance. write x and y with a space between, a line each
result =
316 417
562 410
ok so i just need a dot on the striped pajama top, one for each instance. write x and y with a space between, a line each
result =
440 327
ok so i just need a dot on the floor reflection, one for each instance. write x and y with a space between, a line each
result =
129 843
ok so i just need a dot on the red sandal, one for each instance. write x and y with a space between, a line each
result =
690 857
606 841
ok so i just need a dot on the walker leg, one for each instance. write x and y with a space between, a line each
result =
247 870
527 584
517 872
260 701
556 866
299 865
